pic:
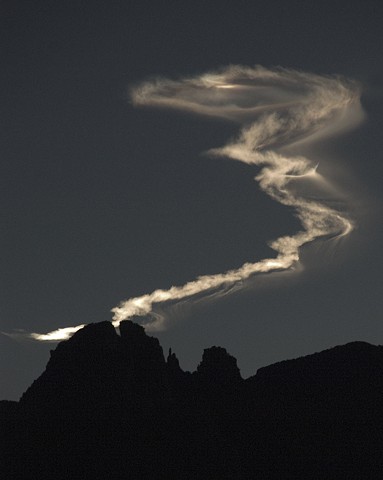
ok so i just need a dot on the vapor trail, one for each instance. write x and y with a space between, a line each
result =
275 108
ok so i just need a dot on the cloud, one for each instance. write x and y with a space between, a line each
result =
275 108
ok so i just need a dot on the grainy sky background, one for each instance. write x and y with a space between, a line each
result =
101 201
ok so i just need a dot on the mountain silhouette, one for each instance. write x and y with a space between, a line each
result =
110 405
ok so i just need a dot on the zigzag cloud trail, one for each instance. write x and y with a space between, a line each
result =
275 108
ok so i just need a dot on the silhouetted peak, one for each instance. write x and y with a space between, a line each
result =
96 361
94 333
129 329
340 358
336 369
91 341
141 347
357 346
218 366
172 361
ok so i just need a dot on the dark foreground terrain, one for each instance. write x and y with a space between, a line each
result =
110 406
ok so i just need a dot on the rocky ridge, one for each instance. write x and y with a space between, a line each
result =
110 405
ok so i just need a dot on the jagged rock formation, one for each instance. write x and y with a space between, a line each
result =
111 406
97 363
218 368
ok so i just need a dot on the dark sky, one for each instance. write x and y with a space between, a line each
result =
101 201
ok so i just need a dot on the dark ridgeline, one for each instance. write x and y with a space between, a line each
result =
110 406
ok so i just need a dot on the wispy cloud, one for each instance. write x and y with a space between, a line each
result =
275 108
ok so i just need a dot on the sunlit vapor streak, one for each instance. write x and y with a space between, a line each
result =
276 108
